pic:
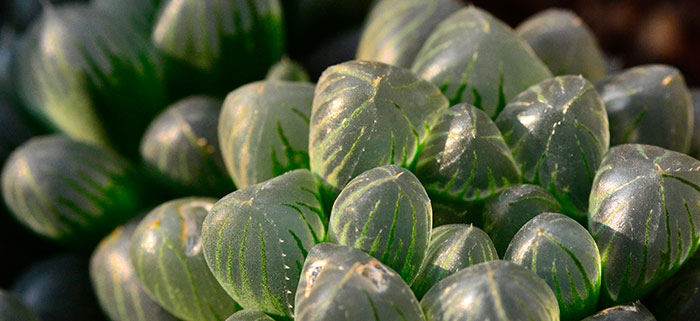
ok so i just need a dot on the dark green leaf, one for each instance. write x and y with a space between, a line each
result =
558 133
114 280
255 240
495 291
649 105
182 147
385 212
264 130
465 159
506 214
396 29
366 115
166 252
644 216
91 76
213 46
342 283
477 59
562 253
140 14
69 191
287 69
679 297
452 248
564 43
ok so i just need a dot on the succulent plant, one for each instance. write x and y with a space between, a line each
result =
505 214
255 240
342 283
564 43
213 46
465 160
289 70
13 309
386 213
558 133
628 312
366 115
114 280
494 290
90 76
264 130
563 254
181 146
452 248
68 191
396 29
166 253
644 217
477 59
644 101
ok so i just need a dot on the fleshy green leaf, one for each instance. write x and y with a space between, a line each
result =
564 43
182 147
465 160
255 240
644 216
477 59
249 315
558 133
496 291
69 191
118 290
562 253
629 312
289 70
396 29
679 298
452 248
649 105
264 130
366 115
386 213
505 214
166 252
342 283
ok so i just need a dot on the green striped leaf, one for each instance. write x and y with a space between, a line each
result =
114 280
629 312
558 133
264 130
69 191
13 309
452 248
564 43
494 290
255 240
342 283
477 59
679 298
289 70
563 254
505 214
644 216
396 29
249 315
465 159
366 115
643 102
140 14
386 213
166 252
213 46
181 146
91 76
